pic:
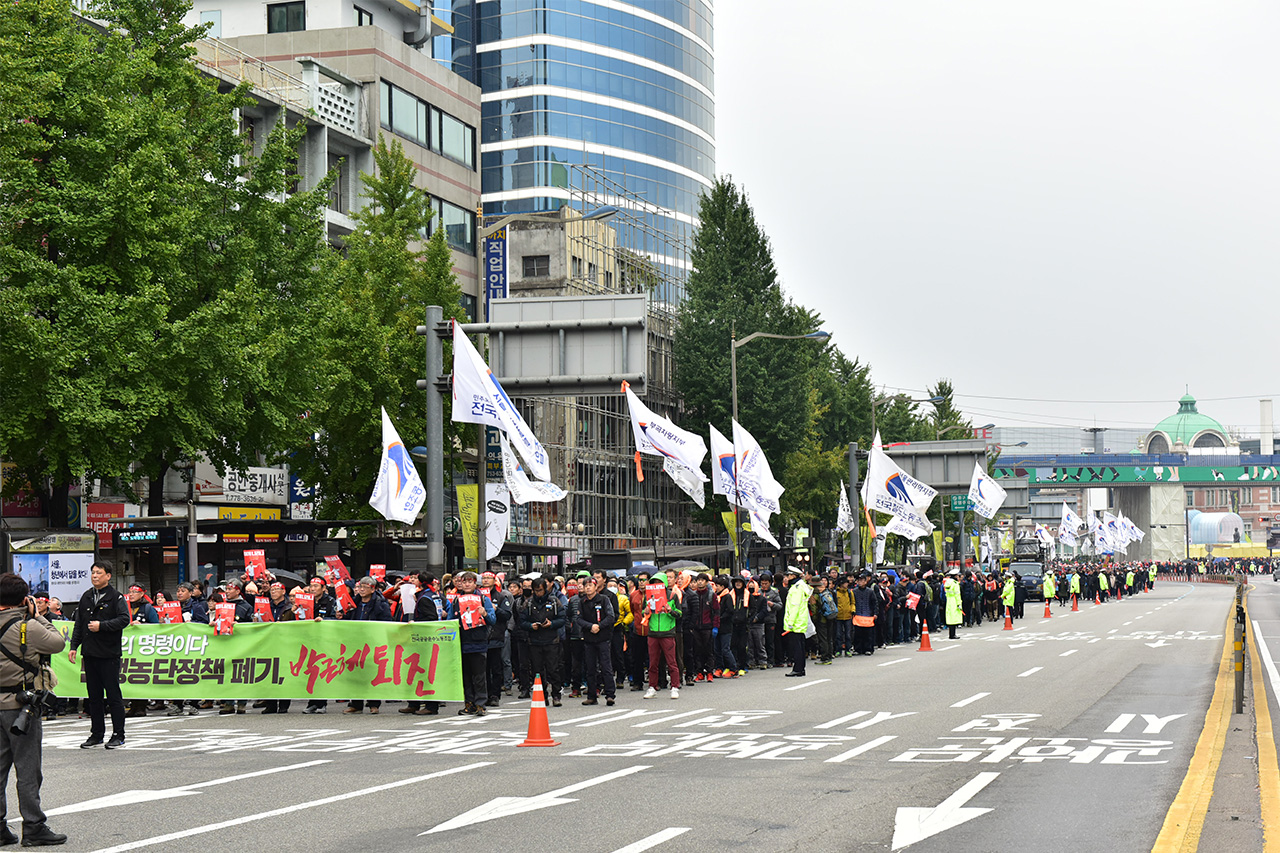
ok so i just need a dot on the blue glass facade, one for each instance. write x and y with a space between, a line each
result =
623 86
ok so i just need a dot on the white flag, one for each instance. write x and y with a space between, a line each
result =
891 490
691 482
1070 519
497 518
760 527
724 469
1045 537
904 528
757 489
986 495
479 399
844 515
523 490
658 436
398 492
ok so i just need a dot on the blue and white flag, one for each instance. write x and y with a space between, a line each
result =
724 468
398 492
522 489
758 491
986 495
844 513
891 490
479 399
658 436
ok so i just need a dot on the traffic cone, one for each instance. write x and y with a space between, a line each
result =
1008 619
924 638
1047 614
539 727
1075 603
1097 598
1118 588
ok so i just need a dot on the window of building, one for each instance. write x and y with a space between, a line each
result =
1191 497
363 18
416 120
575 267
591 273
338 190
1246 496
537 266
212 17
286 17
459 225
1275 494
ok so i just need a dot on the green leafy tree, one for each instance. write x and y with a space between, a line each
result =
159 298
373 357
734 289
814 475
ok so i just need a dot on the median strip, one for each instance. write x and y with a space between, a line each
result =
1268 766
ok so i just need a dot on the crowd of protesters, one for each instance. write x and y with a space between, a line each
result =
593 635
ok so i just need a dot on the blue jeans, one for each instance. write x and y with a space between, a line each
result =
724 650
844 635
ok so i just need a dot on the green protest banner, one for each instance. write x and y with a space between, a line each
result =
283 660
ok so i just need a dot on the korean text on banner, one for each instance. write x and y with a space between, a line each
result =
284 660
891 490
658 436
986 496
479 399
255 562
398 493
522 489
844 513
724 468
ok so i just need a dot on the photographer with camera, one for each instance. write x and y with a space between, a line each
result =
26 641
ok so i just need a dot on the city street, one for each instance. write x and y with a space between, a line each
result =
1069 734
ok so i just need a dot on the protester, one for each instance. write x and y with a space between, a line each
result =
99 630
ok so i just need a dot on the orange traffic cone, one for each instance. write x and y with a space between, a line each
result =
1118 588
1097 598
1075 603
924 638
1008 619
539 728
1047 614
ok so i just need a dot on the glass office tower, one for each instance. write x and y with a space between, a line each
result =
623 87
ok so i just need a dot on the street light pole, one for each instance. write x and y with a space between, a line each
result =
734 343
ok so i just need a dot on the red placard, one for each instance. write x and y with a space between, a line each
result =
655 596
470 611
378 571
262 607
306 605
335 564
570 589
255 561
224 618
171 613
345 601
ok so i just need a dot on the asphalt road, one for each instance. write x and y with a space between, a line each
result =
1066 734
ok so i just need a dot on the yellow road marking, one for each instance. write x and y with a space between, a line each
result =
1185 818
1268 767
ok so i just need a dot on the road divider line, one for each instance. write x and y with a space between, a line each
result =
1184 821
238 821
946 648
807 684
654 840
1068 653
1031 671
845 719
1268 766
892 662
974 698
861 748
670 718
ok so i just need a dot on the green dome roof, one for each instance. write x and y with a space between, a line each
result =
1188 423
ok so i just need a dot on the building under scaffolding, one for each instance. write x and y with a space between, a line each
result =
588 439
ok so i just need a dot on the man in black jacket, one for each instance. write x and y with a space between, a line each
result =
596 613
542 617
100 622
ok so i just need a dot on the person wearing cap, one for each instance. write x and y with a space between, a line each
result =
1008 594
702 617
771 610
864 616
795 620
726 665
661 608
955 608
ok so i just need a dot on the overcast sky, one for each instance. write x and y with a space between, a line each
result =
1038 200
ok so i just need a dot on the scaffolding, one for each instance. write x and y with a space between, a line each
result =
588 439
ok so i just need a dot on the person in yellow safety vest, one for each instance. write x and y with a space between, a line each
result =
955 613
1104 585
1203 570
1151 578
1008 595
1050 588
1075 583
1128 582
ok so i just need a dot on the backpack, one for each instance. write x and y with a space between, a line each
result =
828 605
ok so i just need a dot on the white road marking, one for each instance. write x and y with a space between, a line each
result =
1066 653
672 717
858 750
1095 639
508 806
1113 630
1266 659
892 662
1031 671
846 718
1130 622
807 684
916 824
974 698
946 649
337 798
654 840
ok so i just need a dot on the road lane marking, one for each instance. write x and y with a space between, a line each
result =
672 717
846 718
916 824
1268 766
1095 639
858 750
1071 652
892 662
946 648
1113 630
238 821
1184 821
654 840
807 684
974 698
500 807
1031 671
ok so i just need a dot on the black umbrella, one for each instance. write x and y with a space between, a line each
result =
643 568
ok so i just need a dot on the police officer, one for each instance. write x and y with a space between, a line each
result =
25 640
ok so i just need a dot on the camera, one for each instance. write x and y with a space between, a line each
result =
33 702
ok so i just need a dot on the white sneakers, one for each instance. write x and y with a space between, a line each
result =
650 693
675 693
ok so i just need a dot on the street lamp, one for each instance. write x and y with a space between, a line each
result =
734 343
946 430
